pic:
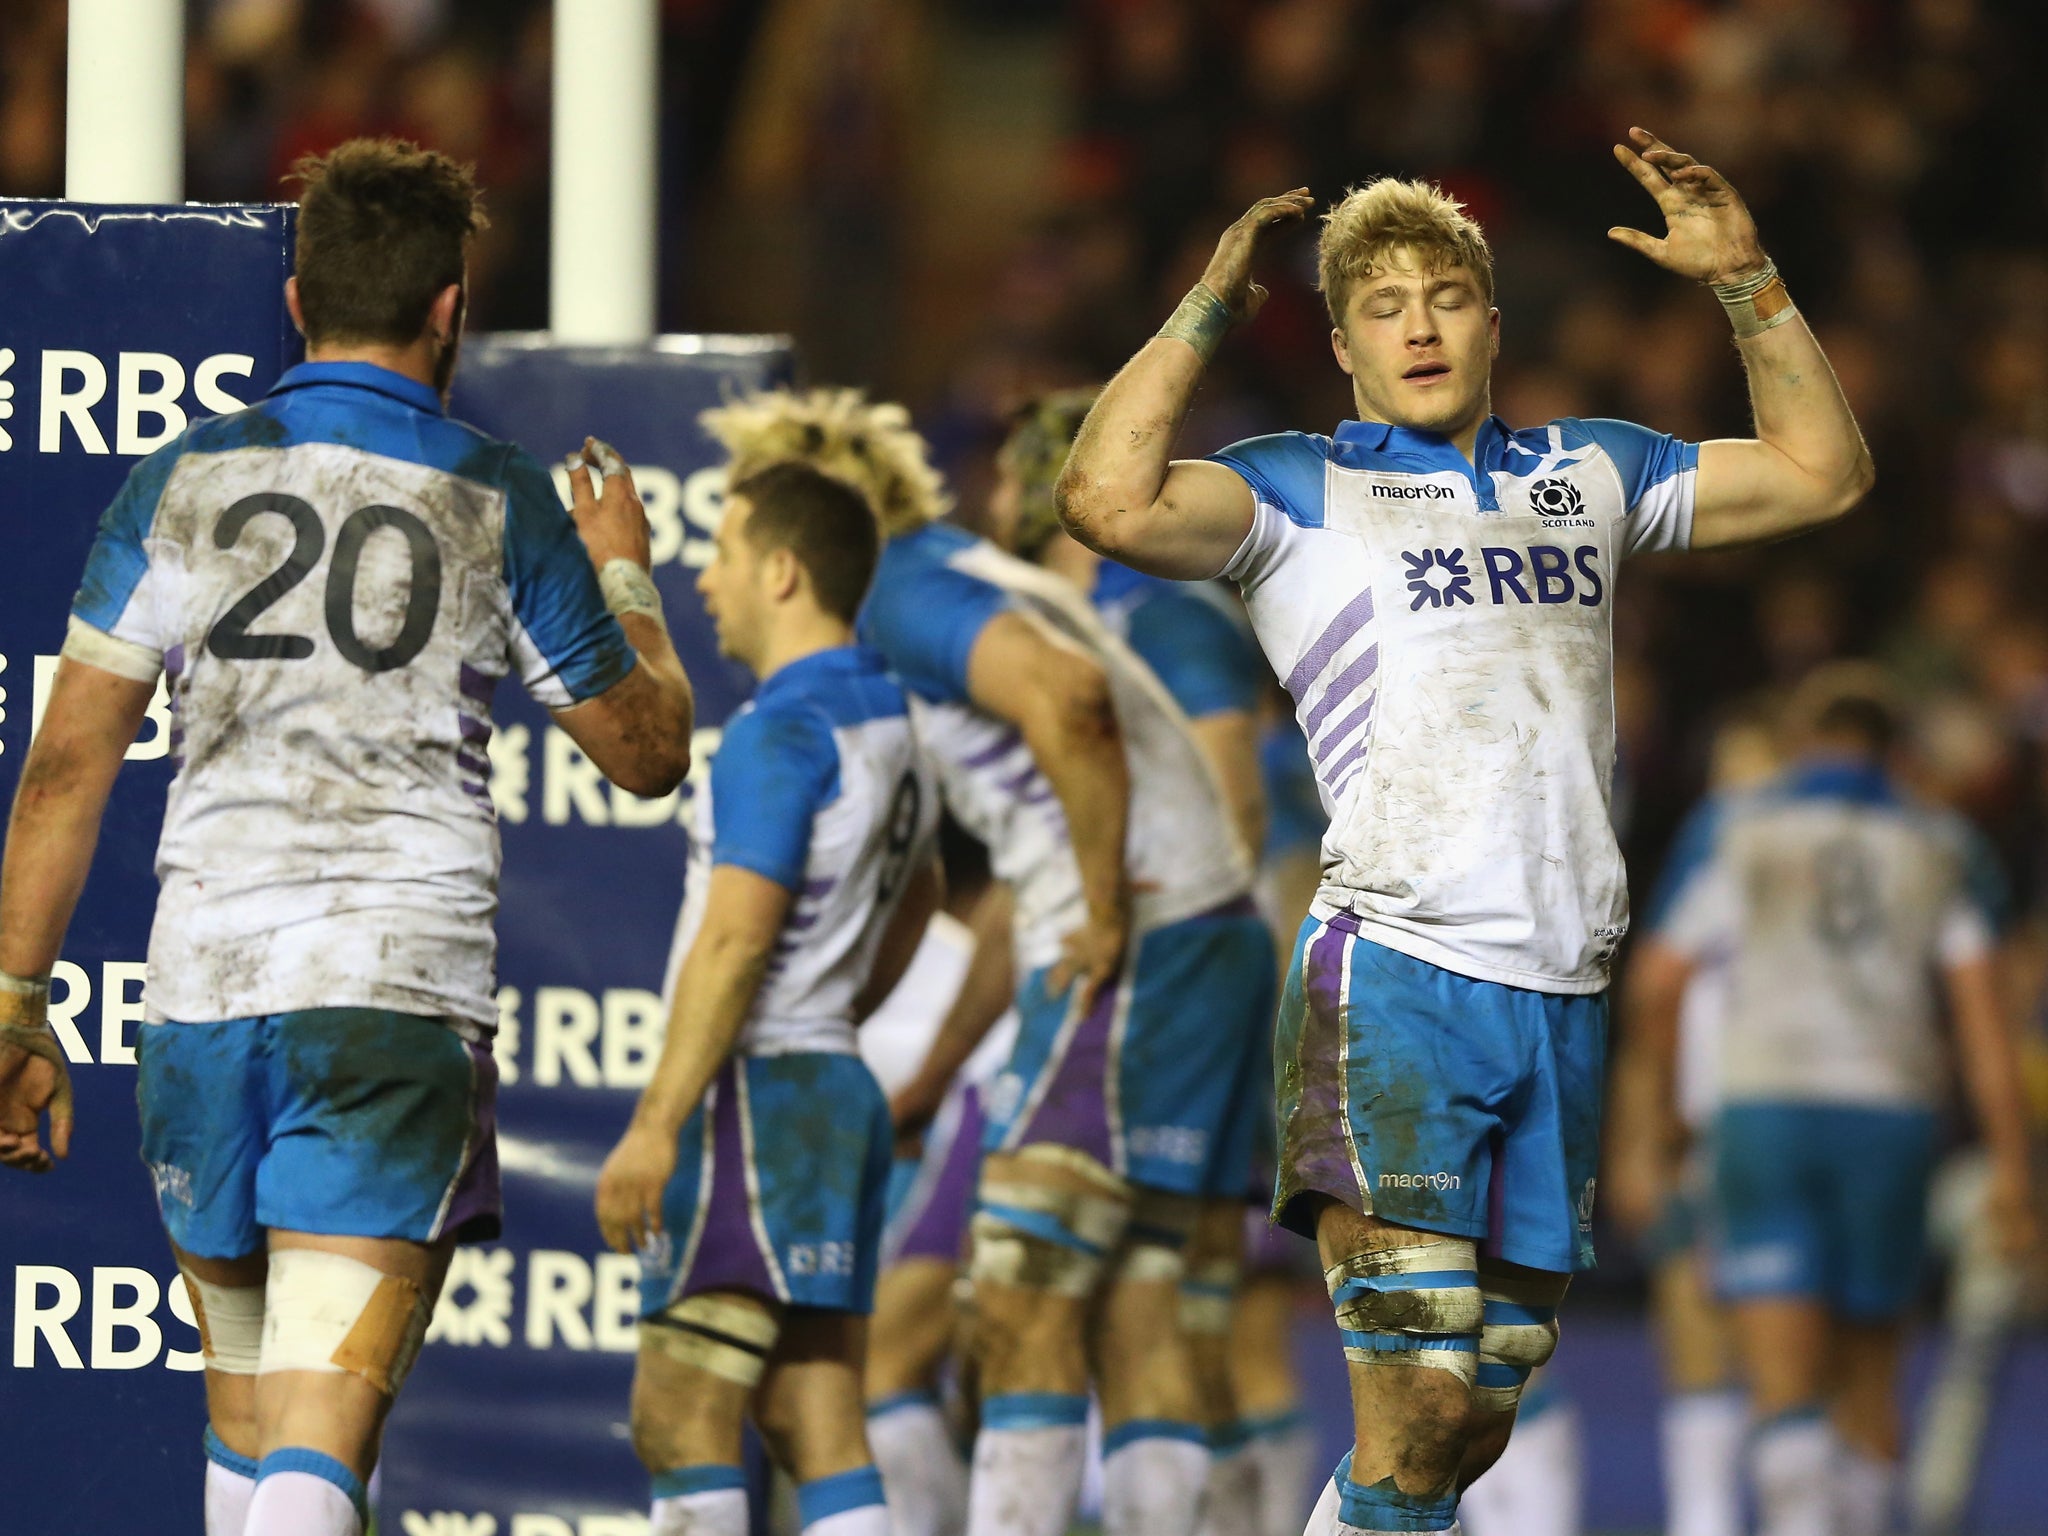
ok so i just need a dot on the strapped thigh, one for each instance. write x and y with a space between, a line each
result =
727 1336
1055 1236
1518 1334
1415 1305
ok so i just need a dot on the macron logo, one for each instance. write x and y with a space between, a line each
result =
1437 1180
1418 492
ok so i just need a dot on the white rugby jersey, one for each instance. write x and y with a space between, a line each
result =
898 1035
1446 631
934 591
1845 902
818 784
1708 941
333 581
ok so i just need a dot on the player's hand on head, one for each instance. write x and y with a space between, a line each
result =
630 1187
1709 235
1229 273
34 1080
606 506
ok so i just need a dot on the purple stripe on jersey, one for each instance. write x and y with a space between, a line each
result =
174 668
472 762
799 921
822 886
1323 749
1017 783
474 730
1002 747
1349 622
1036 794
1342 687
475 685
1336 771
477 791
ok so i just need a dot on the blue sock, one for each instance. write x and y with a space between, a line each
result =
1383 1507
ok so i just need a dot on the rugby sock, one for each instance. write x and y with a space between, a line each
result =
1792 1463
1283 1445
923 1474
1153 1474
1702 1436
230 1484
703 1500
844 1504
1537 1488
1383 1508
1028 1461
1865 1488
301 1492
1231 1505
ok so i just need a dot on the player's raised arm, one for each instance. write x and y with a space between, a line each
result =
638 730
1122 494
1807 464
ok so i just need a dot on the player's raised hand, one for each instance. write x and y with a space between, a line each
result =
1229 273
34 1080
630 1187
1709 235
609 516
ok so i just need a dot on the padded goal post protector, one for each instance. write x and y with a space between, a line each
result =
117 326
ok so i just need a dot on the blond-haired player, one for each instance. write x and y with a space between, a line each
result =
1436 590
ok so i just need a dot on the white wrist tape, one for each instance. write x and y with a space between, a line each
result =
1756 304
327 1312
230 1324
628 589
24 986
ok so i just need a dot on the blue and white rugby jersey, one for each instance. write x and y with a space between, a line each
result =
333 582
935 589
1844 902
1707 938
820 785
1446 631
1192 634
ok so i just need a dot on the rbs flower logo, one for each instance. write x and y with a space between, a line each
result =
1438 577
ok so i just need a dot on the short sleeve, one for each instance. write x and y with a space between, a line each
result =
772 773
925 620
1286 472
1966 932
566 643
1704 915
115 595
1659 474
1204 657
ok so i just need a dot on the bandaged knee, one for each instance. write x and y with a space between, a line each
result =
230 1319
327 1312
721 1336
1054 1237
1417 1305
1156 1240
1518 1333
1208 1292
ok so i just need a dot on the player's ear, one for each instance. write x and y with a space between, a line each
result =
1341 347
1493 331
444 316
291 305
783 573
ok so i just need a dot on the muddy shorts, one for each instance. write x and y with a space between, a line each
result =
1151 1079
1438 1102
347 1122
780 1187
931 1197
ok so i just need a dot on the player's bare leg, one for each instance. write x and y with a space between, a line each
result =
1865 1371
691 1393
811 1412
1705 1418
228 1295
913 1330
1208 1303
1155 1455
1518 1333
1267 1390
1784 1343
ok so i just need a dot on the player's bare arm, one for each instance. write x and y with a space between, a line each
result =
1807 464
1987 1046
1122 494
92 717
986 992
1058 698
638 730
1229 739
744 913
1643 1135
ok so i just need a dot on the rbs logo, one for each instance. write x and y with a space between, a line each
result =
148 391
1543 573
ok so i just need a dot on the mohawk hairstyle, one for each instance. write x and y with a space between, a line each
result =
1384 215
870 446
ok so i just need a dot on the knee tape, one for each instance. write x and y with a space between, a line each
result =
1412 1306
1054 1236
1208 1293
1156 1241
1518 1334
230 1319
717 1335
327 1312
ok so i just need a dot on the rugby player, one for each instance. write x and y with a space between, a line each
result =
1856 917
751 1180
1067 758
1195 639
331 582
1435 589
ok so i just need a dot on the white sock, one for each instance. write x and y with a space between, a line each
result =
1865 1491
1326 1518
844 1504
304 1493
1153 1474
1230 1507
922 1471
1028 1461
1702 1435
230 1484
1284 1448
704 1500
1792 1463
1537 1487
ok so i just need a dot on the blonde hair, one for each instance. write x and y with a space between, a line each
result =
1384 215
1042 433
841 433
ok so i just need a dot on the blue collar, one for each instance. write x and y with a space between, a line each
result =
1358 443
1841 778
821 669
362 376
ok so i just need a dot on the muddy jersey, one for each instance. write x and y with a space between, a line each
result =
819 784
1446 631
935 590
1844 902
332 582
